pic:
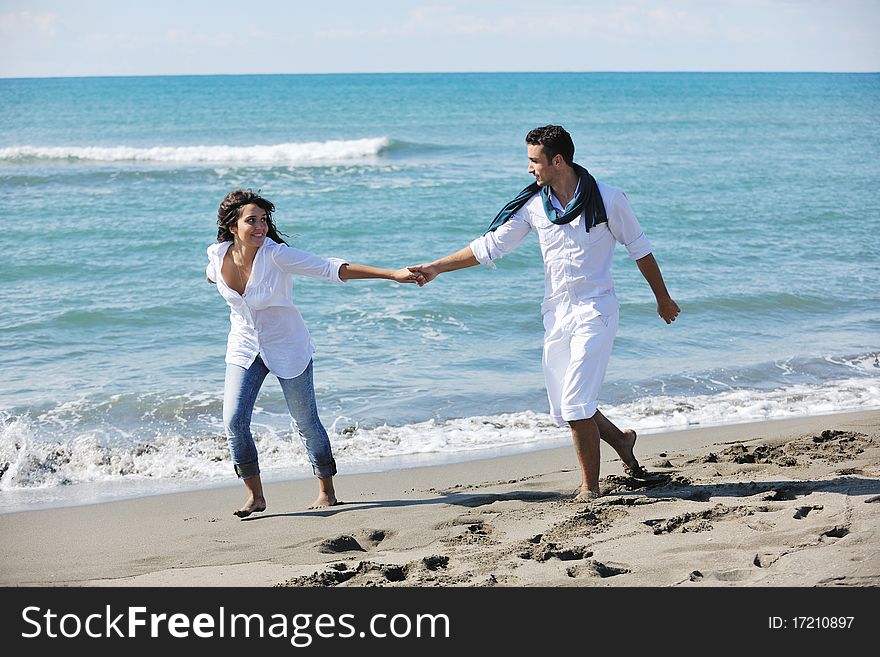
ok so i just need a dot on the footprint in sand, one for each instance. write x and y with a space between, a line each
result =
553 551
373 537
803 511
596 568
781 495
838 531
348 543
697 521
472 531
343 543
765 560
436 562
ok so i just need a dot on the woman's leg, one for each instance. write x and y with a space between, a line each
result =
239 396
300 395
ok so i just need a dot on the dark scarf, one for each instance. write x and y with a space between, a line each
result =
587 198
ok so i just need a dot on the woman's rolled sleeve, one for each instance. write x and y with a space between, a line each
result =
296 261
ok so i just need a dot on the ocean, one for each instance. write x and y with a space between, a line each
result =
759 193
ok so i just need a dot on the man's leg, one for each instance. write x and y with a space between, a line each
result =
590 349
622 442
585 434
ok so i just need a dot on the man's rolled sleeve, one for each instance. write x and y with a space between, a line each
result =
639 248
481 252
626 229
502 240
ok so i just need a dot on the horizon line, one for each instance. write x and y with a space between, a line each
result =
601 72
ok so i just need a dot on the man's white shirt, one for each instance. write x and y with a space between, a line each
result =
577 263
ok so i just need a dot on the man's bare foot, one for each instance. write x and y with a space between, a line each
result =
324 501
630 464
253 506
587 495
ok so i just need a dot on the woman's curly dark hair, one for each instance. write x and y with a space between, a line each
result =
230 208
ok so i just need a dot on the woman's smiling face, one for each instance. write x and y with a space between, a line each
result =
252 225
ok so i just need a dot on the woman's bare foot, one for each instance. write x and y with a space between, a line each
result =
252 506
324 500
630 464
256 502
326 494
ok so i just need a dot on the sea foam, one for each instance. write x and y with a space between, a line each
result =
290 153
29 461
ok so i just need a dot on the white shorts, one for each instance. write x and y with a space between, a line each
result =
576 355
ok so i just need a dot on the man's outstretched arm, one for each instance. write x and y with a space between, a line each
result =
666 307
459 260
482 251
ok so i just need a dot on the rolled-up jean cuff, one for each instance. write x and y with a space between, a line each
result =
326 470
247 470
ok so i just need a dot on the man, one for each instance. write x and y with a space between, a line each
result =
578 223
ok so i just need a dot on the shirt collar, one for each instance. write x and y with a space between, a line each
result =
555 201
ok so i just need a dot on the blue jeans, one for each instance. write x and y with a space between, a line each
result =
239 397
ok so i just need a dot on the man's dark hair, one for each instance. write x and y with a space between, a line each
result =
230 208
555 140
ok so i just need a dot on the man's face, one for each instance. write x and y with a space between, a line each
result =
539 166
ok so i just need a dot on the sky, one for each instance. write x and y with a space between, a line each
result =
55 38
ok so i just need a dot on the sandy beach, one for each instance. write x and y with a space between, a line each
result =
783 503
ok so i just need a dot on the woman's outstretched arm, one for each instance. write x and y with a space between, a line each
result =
350 271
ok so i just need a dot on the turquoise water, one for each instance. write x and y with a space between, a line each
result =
758 192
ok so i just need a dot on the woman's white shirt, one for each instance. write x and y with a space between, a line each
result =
264 320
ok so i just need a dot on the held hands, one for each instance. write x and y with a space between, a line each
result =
421 275
667 309
462 258
428 272
409 275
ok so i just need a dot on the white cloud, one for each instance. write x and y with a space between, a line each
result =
27 24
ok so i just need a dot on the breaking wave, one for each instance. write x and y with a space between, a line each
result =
290 153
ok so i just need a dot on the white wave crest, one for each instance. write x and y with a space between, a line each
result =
341 150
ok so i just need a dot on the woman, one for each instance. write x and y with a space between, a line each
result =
252 267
